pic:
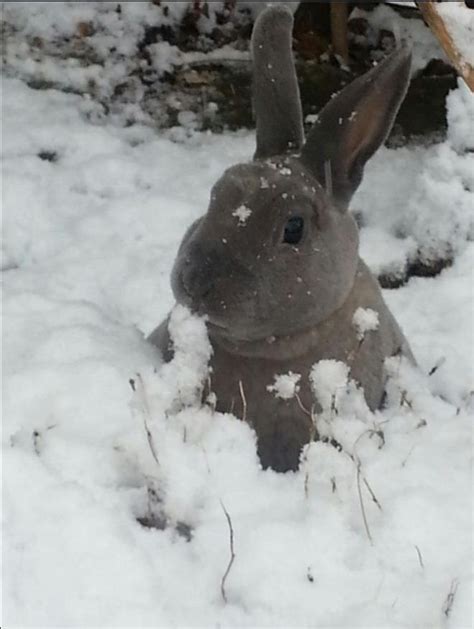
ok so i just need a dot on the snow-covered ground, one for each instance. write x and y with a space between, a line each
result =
376 535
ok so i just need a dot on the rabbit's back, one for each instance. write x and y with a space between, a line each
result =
242 374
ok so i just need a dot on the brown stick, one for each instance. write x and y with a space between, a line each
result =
339 34
436 23
232 552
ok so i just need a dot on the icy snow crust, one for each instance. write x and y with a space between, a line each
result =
90 233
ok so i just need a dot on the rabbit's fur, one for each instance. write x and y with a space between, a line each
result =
274 263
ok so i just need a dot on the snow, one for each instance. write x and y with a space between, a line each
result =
460 105
328 379
189 370
459 21
422 205
414 32
285 385
93 214
365 320
242 213
95 48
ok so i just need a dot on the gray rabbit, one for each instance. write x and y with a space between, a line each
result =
274 262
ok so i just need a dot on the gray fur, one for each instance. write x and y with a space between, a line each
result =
274 307
276 100
352 126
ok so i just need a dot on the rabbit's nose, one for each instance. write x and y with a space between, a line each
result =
198 273
196 279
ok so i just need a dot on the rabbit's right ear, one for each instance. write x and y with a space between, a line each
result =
277 102
353 125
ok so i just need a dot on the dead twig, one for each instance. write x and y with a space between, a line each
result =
362 507
448 603
404 462
371 492
244 401
420 558
355 458
312 415
232 553
141 391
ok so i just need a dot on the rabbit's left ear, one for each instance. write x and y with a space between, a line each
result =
353 125
277 102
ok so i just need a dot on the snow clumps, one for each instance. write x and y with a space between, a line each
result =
285 385
188 371
365 320
329 378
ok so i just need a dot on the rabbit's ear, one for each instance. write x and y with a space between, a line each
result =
353 125
277 102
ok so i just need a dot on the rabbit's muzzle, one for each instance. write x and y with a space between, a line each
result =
204 279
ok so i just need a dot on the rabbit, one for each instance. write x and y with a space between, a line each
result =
274 263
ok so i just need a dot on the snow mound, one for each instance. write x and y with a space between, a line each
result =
421 206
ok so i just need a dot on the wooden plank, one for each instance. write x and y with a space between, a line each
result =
436 23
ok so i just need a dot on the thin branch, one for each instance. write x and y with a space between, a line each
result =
448 603
372 495
358 463
312 415
420 558
232 553
141 391
362 508
244 401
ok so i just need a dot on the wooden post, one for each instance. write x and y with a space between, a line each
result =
339 33
436 23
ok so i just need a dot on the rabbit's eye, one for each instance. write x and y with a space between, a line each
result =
293 230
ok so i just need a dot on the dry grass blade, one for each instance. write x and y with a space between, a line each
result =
448 603
141 392
420 558
362 507
244 401
372 495
232 553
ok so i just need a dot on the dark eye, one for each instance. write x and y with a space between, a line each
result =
293 230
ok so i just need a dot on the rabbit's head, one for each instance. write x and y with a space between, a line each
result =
277 250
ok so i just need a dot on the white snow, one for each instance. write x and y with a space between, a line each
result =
459 21
365 320
460 105
419 37
422 203
329 378
242 213
285 385
89 239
